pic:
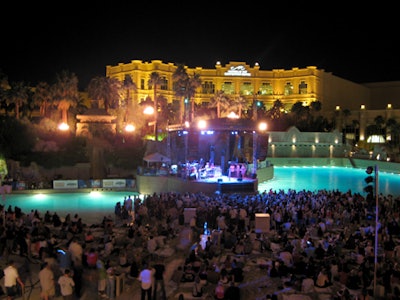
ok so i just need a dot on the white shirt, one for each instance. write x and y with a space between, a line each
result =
10 276
66 285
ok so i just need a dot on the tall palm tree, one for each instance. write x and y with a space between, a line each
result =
43 98
238 104
179 77
193 83
128 85
221 101
185 88
105 90
155 81
18 96
65 93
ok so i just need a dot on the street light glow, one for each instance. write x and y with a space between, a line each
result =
63 126
262 126
129 128
149 110
202 124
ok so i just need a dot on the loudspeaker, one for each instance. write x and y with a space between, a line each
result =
239 179
219 180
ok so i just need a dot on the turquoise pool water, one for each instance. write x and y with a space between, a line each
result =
330 178
93 206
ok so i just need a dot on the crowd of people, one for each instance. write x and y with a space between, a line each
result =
315 239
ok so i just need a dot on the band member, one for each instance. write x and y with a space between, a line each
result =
231 171
243 170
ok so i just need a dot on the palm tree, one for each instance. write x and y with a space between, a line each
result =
275 112
179 77
43 98
238 103
185 88
221 101
65 93
276 115
155 81
105 90
316 106
301 115
193 83
128 85
17 95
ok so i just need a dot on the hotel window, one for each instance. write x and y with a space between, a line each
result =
288 89
246 89
142 84
266 89
227 88
208 87
303 87
164 83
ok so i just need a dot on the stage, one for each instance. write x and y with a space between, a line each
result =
149 185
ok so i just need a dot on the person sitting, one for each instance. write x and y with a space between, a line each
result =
219 292
188 274
197 288
319 252
224 276
91 258
322 280
237 274
89 237
232 292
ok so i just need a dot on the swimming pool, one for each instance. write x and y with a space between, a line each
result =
93 206
90 206
329 178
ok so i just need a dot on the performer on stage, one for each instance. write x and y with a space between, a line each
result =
243 170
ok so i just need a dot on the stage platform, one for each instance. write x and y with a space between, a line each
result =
221 184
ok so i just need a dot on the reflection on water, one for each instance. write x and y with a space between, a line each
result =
92 207
329 178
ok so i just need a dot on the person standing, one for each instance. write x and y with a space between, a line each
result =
101 277
232 292
47 285
145 278
66 285
76 251
11 278
110 285
159 271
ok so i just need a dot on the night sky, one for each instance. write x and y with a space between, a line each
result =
358 44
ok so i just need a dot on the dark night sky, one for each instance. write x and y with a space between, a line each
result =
358 44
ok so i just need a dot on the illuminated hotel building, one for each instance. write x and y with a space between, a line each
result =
365 101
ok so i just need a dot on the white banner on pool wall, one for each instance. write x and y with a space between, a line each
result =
114 183
65 184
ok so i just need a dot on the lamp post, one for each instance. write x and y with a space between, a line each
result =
255 166
150 110
262 126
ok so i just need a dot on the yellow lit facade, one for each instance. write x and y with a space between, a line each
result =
364 101
235 78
